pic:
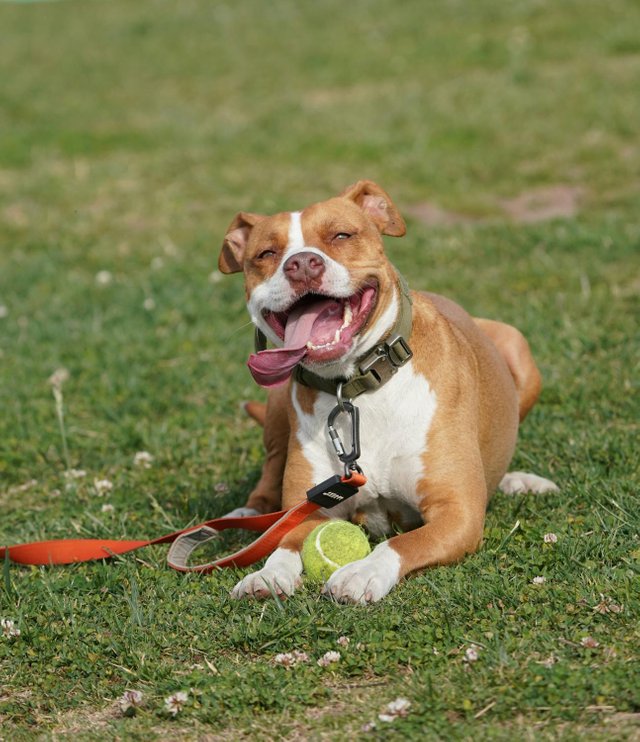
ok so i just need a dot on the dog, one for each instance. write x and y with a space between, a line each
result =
440 394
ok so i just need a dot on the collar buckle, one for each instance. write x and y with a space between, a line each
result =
386 359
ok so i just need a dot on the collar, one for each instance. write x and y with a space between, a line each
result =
376 367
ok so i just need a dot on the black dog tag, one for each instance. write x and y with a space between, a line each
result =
331 492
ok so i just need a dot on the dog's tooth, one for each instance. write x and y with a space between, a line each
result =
347 316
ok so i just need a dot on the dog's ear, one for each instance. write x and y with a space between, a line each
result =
235 242
377 204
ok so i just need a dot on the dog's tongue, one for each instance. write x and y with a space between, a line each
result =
273 367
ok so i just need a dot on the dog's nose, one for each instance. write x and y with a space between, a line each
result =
304 266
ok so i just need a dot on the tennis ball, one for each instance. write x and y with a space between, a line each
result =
332 545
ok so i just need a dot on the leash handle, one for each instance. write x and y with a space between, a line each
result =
186 543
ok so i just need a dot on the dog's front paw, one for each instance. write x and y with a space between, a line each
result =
242 513
367 580
280 575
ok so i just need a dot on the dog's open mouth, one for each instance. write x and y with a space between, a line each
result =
315 328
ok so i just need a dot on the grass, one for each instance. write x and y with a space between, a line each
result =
131 134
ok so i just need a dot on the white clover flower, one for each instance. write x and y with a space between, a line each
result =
472 653
399 707
130 700
143 459
215 277
107 508
4 312
589 642
286 659
149 304
174 703
290 659
102 486
539 580
9 628
343 641
75 474
550 538
606 605
103 278
329 658
221 487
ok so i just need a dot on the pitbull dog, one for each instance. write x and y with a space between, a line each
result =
440 394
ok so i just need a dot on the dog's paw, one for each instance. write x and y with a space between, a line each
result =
280 575
241 513
367 580
517 482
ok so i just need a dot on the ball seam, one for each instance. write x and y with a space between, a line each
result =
321 552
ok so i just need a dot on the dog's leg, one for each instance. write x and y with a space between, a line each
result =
282 572
452 504
283 569
267 493
515 350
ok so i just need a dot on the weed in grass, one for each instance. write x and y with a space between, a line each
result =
57 379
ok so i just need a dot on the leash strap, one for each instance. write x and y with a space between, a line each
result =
273 526
71 551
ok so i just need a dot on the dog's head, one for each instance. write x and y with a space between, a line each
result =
317 281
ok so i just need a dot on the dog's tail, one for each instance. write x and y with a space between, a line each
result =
256 410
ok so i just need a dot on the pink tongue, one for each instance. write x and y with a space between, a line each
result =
273 367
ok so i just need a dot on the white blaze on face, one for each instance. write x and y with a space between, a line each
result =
296 238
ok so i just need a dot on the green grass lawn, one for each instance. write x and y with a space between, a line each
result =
130 134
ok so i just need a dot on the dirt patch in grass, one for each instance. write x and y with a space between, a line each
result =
528 207
542 204
85 719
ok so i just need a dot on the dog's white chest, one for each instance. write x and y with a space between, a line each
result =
394 423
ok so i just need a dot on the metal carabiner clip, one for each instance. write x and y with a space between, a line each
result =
350 458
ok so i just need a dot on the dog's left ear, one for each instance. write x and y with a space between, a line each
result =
377 204
235 242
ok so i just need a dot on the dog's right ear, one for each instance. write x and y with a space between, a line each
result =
235 242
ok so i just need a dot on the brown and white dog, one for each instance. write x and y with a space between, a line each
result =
437 438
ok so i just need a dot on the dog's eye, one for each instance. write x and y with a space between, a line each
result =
266 254
342 236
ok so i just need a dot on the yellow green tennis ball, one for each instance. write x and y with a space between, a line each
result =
332 545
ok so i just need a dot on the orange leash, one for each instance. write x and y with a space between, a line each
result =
273 526
71 551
